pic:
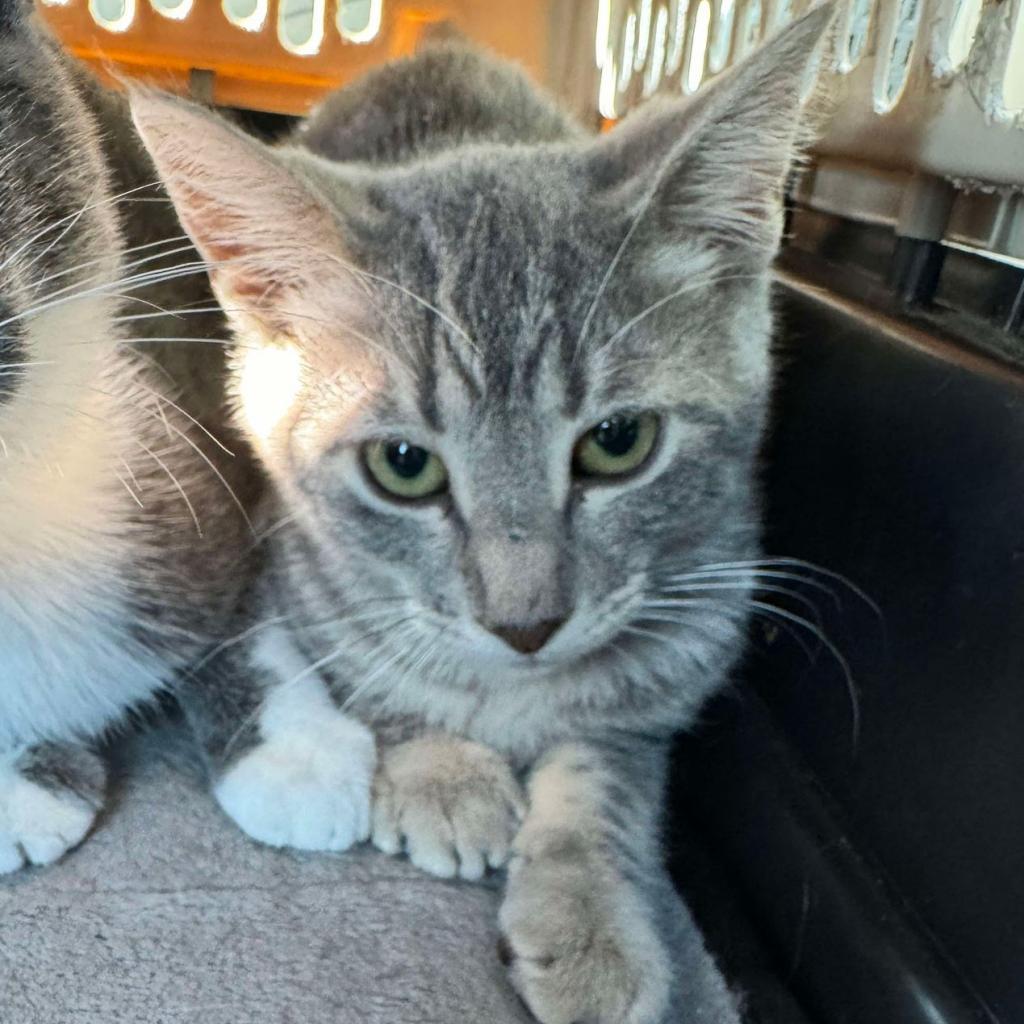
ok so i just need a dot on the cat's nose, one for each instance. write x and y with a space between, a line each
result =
525 639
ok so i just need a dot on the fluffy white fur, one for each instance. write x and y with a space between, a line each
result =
68 662
307 785
37 826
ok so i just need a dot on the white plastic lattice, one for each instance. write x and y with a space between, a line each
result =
932 86
301 25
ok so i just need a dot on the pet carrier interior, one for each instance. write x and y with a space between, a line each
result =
848 822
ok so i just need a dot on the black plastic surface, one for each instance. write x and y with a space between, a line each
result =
902 468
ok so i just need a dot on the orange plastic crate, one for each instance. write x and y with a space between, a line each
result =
202 52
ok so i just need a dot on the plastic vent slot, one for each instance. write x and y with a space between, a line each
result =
174 9
656 61
947 75
899 37
358 21
113 15
1012 86
643 35
955 31
781 14
749 32
628 52
698 47
721 39
275 55
853 34
678 11
248 15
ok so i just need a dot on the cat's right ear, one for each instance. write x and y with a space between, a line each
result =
708 172
265 233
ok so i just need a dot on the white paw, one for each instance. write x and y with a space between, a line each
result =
307 788
38 825
579 944
453 805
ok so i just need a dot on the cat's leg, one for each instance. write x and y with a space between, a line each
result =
285 763
591 922
50 795
452 805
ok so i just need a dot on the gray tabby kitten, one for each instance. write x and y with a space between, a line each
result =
116 535
509 381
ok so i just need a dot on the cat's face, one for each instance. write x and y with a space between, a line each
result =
524 460
510 391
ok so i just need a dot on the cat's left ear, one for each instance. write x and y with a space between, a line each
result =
265 232
709 172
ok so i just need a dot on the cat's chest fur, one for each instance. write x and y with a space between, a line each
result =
68 666
68 662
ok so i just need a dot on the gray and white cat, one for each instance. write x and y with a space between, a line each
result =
509 381
118 542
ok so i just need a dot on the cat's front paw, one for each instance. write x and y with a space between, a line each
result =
578 943
42 818
453 805
305 788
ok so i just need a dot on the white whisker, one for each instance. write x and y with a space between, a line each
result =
822 637
753 575
745 589
112 289
381 667
54 225
177 408
217 473
124 483
690 286
225 645
176 483
797 563
419 299
177 313
75 268
609 272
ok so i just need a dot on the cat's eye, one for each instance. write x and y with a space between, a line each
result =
616 446
404 470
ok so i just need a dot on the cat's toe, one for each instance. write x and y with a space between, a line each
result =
453 807
574 954
484 830
309 791
39 825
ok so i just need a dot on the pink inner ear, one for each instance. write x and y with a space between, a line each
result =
219 235
209 225
263 238
252 218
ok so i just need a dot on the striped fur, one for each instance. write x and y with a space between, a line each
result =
490 286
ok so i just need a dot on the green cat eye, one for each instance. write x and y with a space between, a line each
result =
617 445
404 470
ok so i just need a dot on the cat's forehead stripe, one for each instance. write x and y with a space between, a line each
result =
513 288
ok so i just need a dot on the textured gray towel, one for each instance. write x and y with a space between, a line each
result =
169 914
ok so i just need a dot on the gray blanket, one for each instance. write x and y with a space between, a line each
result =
169 915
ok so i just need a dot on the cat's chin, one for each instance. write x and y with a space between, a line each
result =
544 666
514 664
